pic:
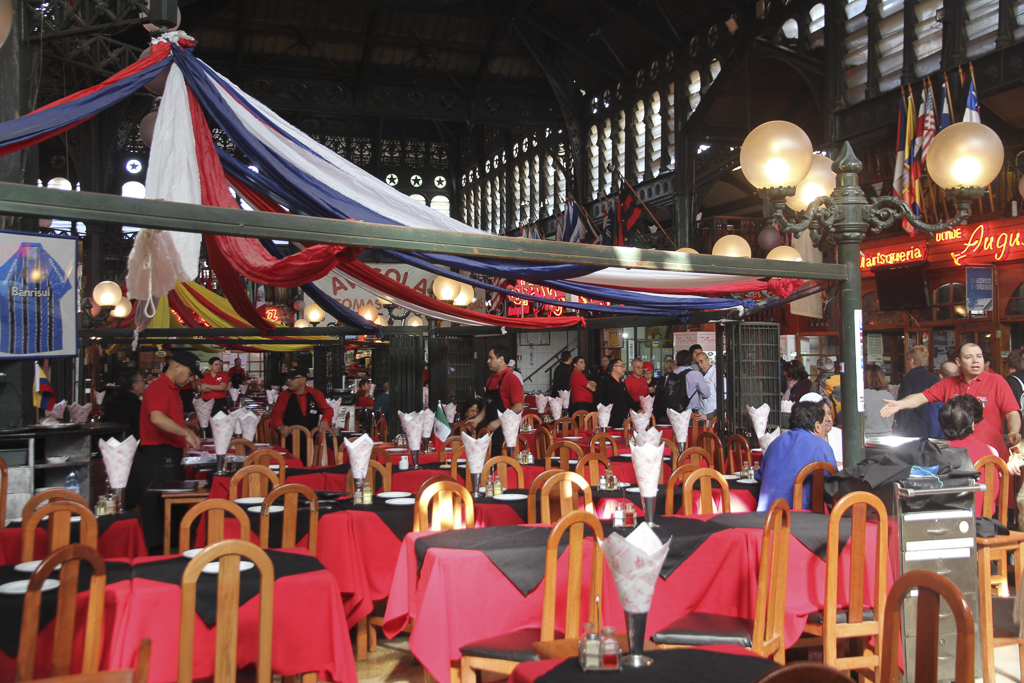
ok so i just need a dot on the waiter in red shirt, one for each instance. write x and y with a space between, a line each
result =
581 389
503 391
989 388
162 438
214 385
299 405
636 383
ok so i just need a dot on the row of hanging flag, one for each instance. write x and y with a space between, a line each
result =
621 213
914 134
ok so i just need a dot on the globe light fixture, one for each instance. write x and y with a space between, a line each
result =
446 289
686 250
415 321
123 308
106 293
819 182
966 154
465 296
368 312
301 322
731 245
784 253
380 321
776 154
313 313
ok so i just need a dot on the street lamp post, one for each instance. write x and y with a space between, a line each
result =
967 156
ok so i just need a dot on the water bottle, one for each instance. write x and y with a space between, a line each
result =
71 481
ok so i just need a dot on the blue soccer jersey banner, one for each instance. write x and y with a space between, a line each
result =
38 312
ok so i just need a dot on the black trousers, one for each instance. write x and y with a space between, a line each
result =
152 464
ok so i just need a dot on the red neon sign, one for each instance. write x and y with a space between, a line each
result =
520 306
979 243
894 255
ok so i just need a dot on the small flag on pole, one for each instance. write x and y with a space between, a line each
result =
972 112
42 393
442 430
946 116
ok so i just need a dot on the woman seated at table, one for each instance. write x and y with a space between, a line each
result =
472 408
833 435
791 452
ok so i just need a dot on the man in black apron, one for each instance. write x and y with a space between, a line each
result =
299 405
503 391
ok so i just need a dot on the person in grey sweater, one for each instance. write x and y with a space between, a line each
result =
876 391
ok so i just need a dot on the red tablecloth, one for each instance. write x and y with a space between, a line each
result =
459 596
122 539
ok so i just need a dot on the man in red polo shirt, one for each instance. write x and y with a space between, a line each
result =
162 438
300 405
636 383
214 385
989 388
503 391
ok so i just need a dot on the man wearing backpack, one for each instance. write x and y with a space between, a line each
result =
685 387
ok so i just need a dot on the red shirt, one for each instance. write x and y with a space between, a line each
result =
164 396
219 378
995 395
364 401
637 387
578 392
277 415
511 387
976 450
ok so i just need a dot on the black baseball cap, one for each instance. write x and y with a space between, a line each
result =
298 372
188 359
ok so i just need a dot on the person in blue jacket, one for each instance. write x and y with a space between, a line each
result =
791 452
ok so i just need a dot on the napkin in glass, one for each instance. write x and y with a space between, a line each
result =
80 413
449 412
117 458
647 463
641 421
510 421
58 410
604 416
247 423
647 404
680 424
477 451
786 407
233 393
768 437
556 408
243 387
223 427
650 435
759 418
271 396
563 394
635 562
359 452
98 397
542 403
426 423
411 426
203 410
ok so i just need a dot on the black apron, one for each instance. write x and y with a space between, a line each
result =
293 416
493 406
152 464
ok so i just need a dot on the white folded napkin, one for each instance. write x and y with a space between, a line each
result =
477 451
369 391
203 410
426 423
223 427
649 435
542 403
58 410
80 413
647 463
243 387
556 408
339 417
117 458
759 418
563 394
449 412
359 451
635 562
680 425
49 421
604 416
768 437
271 397
647 404
786 407
641 421
411 426
97 397
510 421
247 422
233 393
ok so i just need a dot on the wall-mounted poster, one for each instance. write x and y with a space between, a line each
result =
38 295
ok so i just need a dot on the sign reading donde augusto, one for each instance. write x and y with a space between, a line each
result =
976 243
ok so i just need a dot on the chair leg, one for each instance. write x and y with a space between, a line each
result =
361 637
311 677
466 673
988 664
371 633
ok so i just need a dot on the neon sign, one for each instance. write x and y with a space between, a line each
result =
901 253
520 306
995 245
273 315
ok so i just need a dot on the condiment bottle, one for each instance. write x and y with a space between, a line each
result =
489 492
609 648
497 487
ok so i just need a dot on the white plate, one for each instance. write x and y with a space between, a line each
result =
275 466
574 438
192 552
214 567
395 450
251 500
401 501
29 567
76 519
259 508
746 481
511 496
394 494
633 489
461 460
730 477
57 459
21 587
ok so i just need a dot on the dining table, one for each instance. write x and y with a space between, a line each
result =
119 535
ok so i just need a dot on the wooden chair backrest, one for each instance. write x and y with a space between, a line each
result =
325 442
482 431
522 444
805 672
603 443
930 586
263 433
534 496
452 445
291 493
502 463
573 522
704 476
565 426
677 478
578 417
769 639
228 555
381 455
994 474
710 442
816 470
293 442
564 451
241 447
695 455
532 419
379 431
590 467
451 504
50 496
215 509
673 450
588 421
252 481
69 558
627 426
427 482
58 529
737 453
373 470
464 426
542 441
567 486
264 457
3 493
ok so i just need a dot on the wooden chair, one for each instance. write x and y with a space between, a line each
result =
452 445
704 476
325 442
989 549
590 467
994 475
381 455
373 470
737 448
451 504
241 447
228 555
677 478
522 444
542 441
567 486
603 443
827 627
533 497
816 470
929 587
465 426
215 507
696 456
263 433
710 442
627 426
254 480
139 674
482 431
501 463
564 451
380 430
265 457
58 529
430 480
289 533
578 418
299 435
588 421
532 419
805 672
503 653
51 496
765 634
565 426
69 558
673 450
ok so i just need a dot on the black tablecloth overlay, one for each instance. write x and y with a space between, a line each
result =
296 471
10 605
671 666
103 522
810 528
171 571
398 518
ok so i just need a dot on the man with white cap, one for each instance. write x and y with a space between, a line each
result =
831 433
